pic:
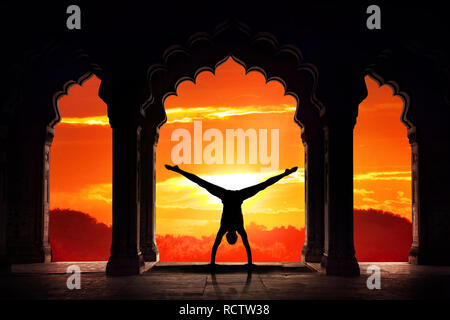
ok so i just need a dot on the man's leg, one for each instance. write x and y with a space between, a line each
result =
244 238
210 187
251 191
219 236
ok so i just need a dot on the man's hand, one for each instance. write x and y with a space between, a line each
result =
172 168
291 170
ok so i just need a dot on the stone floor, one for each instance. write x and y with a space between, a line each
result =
273 281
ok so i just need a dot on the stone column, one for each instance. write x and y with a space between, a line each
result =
126 257
28 188
430 190
4 263
50 134
339 253
312 137
150 134
416 253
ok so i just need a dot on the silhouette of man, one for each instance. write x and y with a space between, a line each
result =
232 220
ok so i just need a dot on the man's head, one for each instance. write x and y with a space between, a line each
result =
232 237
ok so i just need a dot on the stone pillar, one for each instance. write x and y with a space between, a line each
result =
339 252
150 134
4 262
312 137
126 257
415 254
28 189
430 189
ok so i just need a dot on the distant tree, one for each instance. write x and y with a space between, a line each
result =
378 236
76 236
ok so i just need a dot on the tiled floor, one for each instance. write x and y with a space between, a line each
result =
231 281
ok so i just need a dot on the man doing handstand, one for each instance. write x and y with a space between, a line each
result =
232 220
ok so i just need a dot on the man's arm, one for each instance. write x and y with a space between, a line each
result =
251 191
210 187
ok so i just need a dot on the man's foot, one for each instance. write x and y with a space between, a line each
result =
291 170
172 168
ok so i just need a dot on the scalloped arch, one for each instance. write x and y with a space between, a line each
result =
397 92
383 72
65 90
89 69
205 52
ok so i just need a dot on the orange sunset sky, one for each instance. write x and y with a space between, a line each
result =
81 154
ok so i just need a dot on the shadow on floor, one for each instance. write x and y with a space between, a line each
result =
192 267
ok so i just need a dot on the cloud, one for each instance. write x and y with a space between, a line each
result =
384 176
399 204
86 121
363 192
370 200
183 115
274 211
97 193
101 192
